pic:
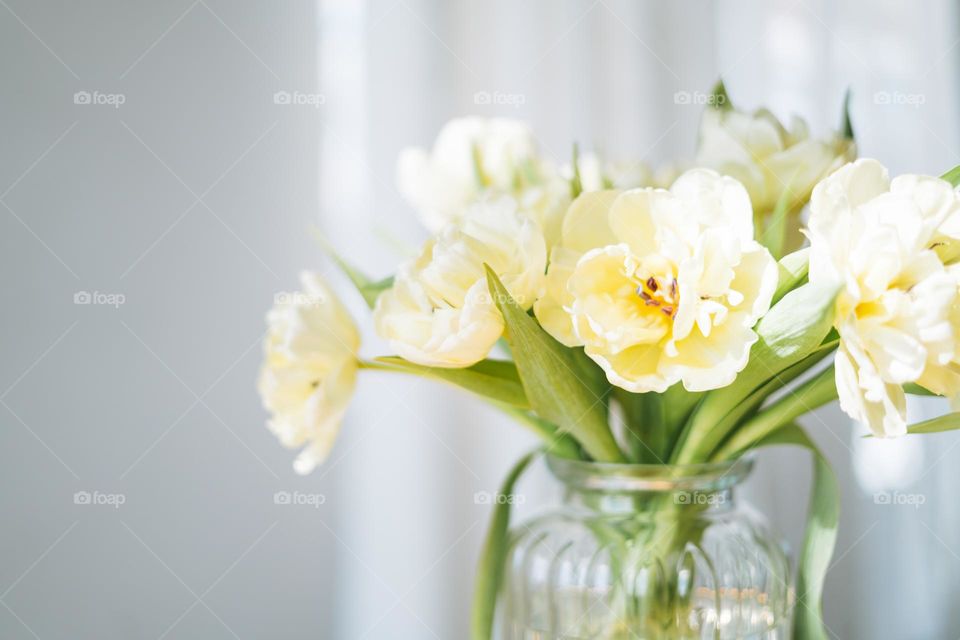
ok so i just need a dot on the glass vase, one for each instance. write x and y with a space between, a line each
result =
647 552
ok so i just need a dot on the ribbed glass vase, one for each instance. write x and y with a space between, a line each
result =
647 552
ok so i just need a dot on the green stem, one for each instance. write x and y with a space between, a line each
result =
654 421
679 405
645 424
559 444
728 423
373 365
704 433
812 394
493 557
655 417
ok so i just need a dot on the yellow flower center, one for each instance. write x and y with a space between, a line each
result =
660 292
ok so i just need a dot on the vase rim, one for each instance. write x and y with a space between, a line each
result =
630 477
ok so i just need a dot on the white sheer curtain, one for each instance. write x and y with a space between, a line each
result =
604 73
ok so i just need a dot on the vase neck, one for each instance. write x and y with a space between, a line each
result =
625 488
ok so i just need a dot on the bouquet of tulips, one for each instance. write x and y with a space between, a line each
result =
650 316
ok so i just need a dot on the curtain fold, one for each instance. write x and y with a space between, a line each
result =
605 74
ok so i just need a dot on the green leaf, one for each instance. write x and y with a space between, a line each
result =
493 556
524 174
372 290
368 288
496 380
846 126
576 184
731 423
948 422
653 420
557 444
774 233
916 390
678 404
483 180
793 269
646 428
814 393
793 329
952 176
556 380
818 541
590 374
719 97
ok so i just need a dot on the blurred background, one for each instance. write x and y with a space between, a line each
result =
163 165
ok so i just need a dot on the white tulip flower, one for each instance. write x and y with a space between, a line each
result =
767 157
439 311
472 156
661 286
884 244
309 370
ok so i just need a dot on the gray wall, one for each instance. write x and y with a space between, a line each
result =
193 201
190 200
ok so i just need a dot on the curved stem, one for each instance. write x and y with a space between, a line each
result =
712 432
373 365
559 444
814 393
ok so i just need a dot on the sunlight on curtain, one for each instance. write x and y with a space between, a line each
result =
605 74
